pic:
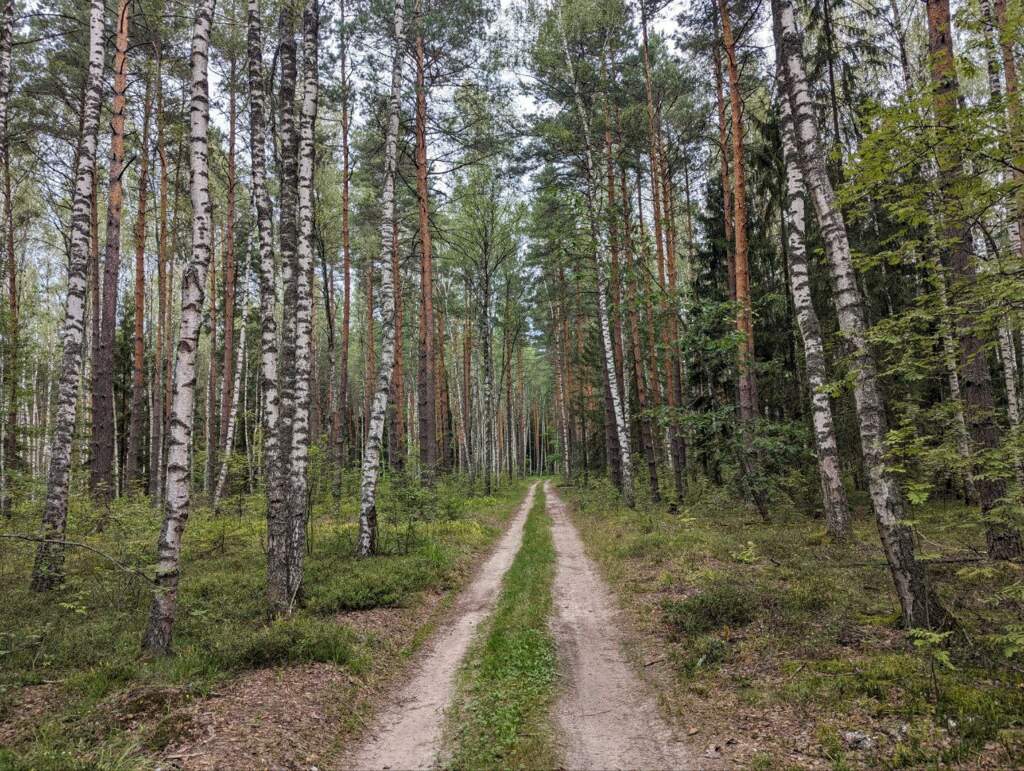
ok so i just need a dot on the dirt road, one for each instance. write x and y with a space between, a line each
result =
605 713
406 735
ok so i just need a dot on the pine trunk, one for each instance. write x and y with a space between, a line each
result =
227 376
744 322
157 414
11 452
137 427
101 478
1004 540
426 385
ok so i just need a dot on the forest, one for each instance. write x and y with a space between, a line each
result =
529 384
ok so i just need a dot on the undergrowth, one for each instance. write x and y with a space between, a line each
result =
772 620
77 650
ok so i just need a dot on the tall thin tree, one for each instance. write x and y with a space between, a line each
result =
48 570
367 543
178 497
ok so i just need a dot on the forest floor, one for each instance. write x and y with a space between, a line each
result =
518 631
238 693
771 648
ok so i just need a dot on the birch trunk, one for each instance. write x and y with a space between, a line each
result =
298 495
919 604
274 473
279 526
622 429
229 431
157 639
48 570
375 429
833 494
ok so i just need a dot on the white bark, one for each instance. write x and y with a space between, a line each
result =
837 511
919 605
178 494
378 410
298 494
229 438
270 404
49 565
618 408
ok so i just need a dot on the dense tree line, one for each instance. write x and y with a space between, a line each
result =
432 238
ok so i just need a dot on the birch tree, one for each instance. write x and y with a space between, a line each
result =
298 496
48 570
177 501
918 601
274 473
367 544
833 493
614 387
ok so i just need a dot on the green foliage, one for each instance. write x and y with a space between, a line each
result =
299 639
719 604
84 637
500 716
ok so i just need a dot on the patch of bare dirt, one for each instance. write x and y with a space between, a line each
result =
407 733
25 712
270 718
293 717
607 716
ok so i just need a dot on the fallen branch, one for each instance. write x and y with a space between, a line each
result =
93 549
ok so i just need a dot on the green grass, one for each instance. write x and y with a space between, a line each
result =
501 716
772 617
81 643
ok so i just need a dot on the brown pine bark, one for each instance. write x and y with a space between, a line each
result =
443 406
744 322
137 428
723 153
11 354
101 477
1004 540
346 252
426 385
156 451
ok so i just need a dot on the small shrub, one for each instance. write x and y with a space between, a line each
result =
722 603
702 654
294 640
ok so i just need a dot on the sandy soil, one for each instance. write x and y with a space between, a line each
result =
607 717
407 734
